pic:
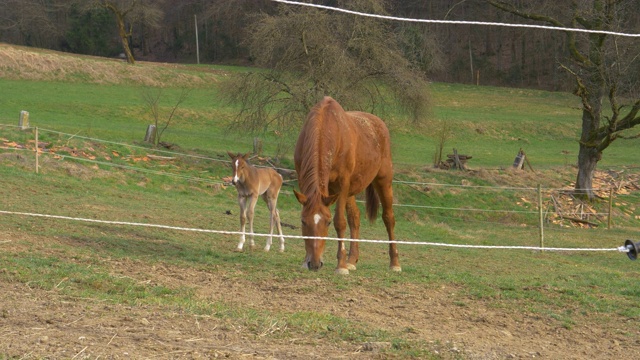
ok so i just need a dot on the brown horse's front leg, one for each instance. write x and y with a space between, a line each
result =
353 218
340 225
342 268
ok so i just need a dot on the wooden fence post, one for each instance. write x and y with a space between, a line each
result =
541 217
609 220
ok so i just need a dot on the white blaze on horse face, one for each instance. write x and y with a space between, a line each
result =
317 218
235 172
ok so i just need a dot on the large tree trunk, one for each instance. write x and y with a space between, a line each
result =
591 89
590 140
588 158
124 36
120 16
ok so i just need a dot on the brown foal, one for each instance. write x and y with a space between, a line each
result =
250 183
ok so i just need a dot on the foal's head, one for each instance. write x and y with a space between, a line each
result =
239 166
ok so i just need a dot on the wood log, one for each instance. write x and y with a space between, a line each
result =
158 157
579 220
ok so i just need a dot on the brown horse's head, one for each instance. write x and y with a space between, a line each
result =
316 219
238 165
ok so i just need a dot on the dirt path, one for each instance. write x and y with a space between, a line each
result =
36 323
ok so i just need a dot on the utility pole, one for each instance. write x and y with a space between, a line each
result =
195 17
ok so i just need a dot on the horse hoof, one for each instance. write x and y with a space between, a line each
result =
351 267
238 250
281 250
341 271
266 249
396 269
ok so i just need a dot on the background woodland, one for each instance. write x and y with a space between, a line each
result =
165 31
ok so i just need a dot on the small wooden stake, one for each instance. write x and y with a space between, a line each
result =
37 152
541 217
609 220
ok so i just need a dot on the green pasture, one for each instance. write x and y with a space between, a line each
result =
565 288
491 124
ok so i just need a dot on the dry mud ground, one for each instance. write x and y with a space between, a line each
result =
37 323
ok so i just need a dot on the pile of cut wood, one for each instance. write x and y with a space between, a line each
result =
455 161
567 210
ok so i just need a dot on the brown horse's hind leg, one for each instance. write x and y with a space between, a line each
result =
385 192
353 219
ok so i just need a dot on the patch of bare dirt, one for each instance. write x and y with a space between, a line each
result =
36 323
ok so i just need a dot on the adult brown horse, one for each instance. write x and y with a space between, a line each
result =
338 155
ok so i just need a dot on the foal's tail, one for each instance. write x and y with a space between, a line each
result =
372 203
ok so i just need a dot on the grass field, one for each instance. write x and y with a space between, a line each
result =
447 303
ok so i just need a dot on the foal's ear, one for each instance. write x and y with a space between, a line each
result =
231 155
300 196
245 156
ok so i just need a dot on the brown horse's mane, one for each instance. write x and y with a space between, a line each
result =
314 166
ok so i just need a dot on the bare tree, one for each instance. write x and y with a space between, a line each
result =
443 132
128 12
33 22
309 53
603 66
228 21
152 98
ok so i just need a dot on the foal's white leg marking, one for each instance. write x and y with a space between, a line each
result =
253 199
243 219
272 218
269 239
280 230
242 239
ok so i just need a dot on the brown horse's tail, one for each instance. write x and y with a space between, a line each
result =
372 203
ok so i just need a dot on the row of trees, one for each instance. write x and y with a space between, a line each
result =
164 30
156 30
308 52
